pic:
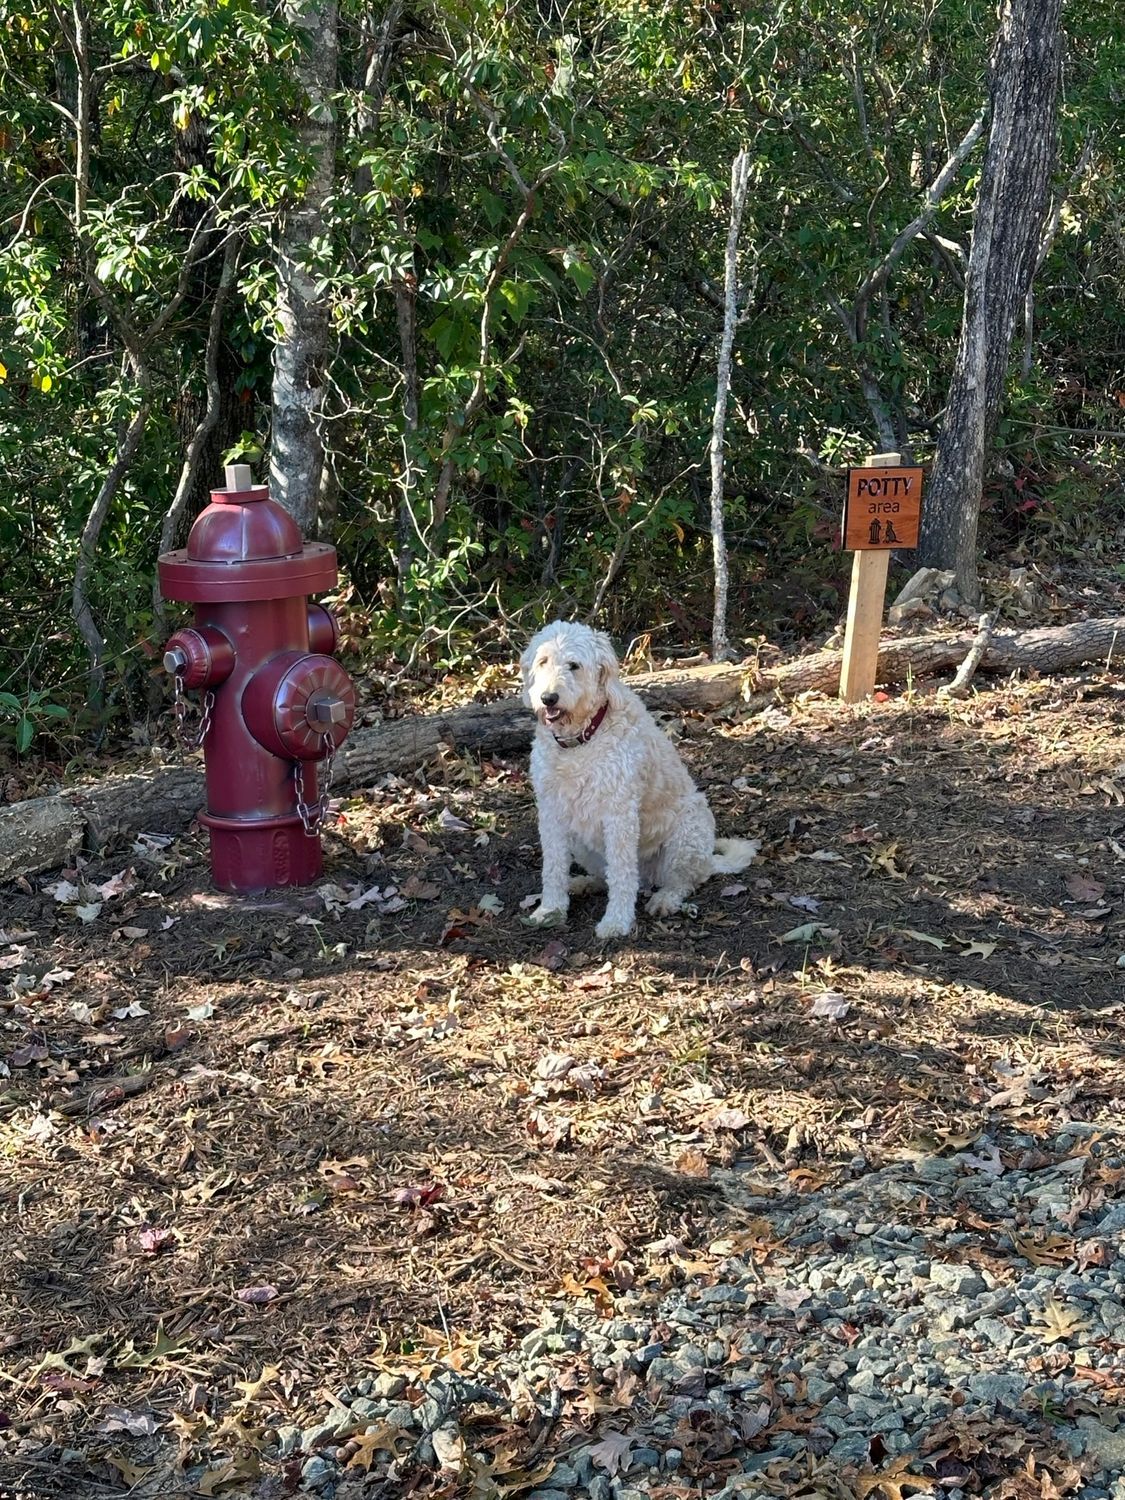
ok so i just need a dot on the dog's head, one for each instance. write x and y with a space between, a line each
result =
569 672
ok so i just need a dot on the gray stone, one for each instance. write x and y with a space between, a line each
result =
864 1383
564 1477
600 1488
288 1440
644 1458
1104 1447
855 1448
996 1386
323 1432
722 1296
532 1345
551 1494
1113 1220
961 1280
583 1465
995 1332
316 1473
819 1390
866 1408
368 1410
673 1458
400 1414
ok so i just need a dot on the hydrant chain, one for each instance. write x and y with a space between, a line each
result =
313 816
179 709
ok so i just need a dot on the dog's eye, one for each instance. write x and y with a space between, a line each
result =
574 666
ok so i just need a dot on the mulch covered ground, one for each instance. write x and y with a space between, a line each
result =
375 1127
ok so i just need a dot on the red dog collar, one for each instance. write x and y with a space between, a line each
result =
587 734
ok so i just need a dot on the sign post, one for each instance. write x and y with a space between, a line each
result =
883 511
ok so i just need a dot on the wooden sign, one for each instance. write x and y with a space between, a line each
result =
883 509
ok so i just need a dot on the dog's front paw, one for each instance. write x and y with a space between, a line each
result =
546 916
613 926
664 903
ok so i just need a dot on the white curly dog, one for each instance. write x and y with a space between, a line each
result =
612 792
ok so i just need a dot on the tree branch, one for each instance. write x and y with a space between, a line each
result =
739 186
1050 230
206 426
877 278
88 547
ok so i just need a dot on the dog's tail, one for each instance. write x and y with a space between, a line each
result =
732 855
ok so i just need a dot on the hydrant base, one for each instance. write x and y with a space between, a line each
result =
253 855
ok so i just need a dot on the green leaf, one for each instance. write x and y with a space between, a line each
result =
25 733
578 269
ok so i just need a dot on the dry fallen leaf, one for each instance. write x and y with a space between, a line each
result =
152 1240
1058 1322
613 1451
830 1004
692 1163
256 1296
892 1481
808 932
924 937
1084 887
379 1438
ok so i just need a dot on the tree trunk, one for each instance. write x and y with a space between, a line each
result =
301 354
739 185
44 832
1008 221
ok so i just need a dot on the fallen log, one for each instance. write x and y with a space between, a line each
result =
45 832
1045 651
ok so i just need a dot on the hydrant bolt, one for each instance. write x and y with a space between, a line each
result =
328 710
175 660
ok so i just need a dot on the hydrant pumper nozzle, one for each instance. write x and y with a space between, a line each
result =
277 704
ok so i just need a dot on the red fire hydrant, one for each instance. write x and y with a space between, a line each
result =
276 705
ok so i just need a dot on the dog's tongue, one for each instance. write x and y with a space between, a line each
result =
552 715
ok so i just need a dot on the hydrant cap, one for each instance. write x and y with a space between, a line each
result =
245 547
243 526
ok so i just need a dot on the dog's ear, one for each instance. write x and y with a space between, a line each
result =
527 661
609 669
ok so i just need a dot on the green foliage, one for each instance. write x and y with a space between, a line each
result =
531 220
22 718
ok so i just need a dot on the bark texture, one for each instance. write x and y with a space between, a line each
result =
301 353
1011 208
44 832
739 185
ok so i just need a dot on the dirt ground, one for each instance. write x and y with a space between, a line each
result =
376 1126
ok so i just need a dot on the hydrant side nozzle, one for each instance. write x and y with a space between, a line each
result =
324 633
202 656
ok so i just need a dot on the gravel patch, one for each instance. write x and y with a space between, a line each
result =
896 1324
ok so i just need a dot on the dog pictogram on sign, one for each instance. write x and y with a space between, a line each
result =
883 509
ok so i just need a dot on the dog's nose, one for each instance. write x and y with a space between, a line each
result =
549 699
